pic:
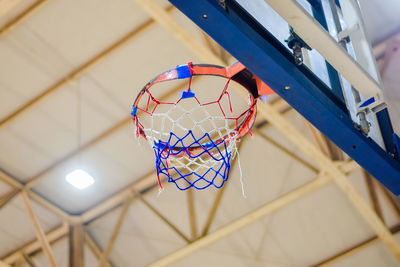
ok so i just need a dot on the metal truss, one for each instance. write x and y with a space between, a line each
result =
73 226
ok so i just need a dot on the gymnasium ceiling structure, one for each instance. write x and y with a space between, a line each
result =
69 73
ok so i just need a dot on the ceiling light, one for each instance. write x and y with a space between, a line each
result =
80 179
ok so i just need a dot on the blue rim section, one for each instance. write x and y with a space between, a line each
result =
183 72
243 37
134 111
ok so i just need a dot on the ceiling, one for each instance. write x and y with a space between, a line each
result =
69 73
380 18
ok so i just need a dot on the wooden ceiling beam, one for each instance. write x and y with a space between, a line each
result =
22 16
11 181
162 217
286 151
114 235
218 198
215 48
44 242
276 119
33 246
18 187
353 249
7 197
76 244
95 249
213 210
117 199
63 215
28 260
155 11
191 212
372 194
375 213
6 6
391 200
324 144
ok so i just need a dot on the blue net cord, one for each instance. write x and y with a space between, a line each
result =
189 168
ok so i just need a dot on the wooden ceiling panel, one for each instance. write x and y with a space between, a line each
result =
20 77
80 29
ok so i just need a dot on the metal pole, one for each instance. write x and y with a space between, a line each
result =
364 124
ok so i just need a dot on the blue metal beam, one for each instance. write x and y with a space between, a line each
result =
241 35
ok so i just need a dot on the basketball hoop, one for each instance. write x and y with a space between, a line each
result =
195 139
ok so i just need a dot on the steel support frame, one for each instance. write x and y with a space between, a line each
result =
269 60
277 120
104 208
56 212
364 55
236 225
